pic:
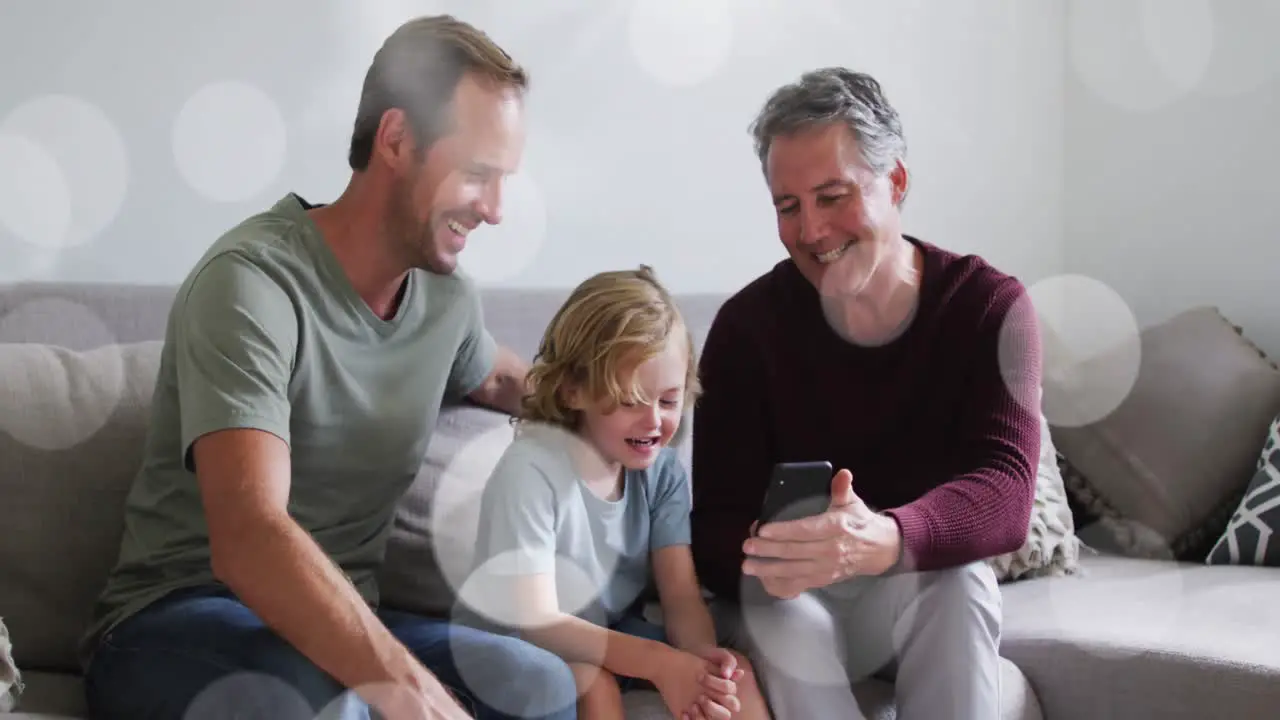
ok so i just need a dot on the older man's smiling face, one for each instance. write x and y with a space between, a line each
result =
833 210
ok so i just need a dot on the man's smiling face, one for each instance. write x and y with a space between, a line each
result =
833 209
458 183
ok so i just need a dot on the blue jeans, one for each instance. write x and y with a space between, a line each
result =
201 654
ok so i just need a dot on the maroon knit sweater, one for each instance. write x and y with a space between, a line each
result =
935 434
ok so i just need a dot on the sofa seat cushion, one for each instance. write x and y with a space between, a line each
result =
51 695
1018 699
1144 638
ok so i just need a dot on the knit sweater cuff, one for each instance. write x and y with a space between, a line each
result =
917 540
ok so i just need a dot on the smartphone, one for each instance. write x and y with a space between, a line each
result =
797 490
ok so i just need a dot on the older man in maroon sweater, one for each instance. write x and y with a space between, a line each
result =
916 372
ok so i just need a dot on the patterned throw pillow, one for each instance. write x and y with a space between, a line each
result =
1252 536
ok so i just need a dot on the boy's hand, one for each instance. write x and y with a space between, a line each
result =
723 663
689 683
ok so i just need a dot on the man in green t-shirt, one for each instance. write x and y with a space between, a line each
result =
307 356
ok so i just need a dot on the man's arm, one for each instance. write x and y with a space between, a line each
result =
277 570
985 509
732 453
234 350
485 372
504 386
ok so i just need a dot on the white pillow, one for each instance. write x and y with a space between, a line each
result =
433 539
10 679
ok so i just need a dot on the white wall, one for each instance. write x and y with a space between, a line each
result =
137 131
1173 137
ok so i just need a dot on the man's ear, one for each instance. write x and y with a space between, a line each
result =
900 182
395 141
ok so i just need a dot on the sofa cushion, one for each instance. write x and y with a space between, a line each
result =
1131 637
67 460
1180 447
433 537
1252 536
51 696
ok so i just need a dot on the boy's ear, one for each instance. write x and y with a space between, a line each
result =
571 396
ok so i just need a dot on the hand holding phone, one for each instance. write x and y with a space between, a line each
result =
796 557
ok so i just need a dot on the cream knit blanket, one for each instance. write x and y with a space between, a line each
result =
10 681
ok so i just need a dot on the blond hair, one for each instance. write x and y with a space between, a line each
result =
417 70
611 324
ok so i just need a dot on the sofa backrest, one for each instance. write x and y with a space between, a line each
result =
81 316
77 369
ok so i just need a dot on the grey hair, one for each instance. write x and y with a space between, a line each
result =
831 95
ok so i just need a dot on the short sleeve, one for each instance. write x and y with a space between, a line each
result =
478 349
235 338
669 503
517 534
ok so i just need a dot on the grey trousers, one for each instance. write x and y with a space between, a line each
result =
935 635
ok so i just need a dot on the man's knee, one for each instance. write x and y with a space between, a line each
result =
967 598
203 656
282 661
951 655
541 666
797 639
196 684
534 681
972 584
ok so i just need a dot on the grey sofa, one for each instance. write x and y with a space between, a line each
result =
1127 638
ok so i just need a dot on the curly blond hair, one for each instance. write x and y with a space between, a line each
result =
610 324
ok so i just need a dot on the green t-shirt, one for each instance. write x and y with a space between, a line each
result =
267 332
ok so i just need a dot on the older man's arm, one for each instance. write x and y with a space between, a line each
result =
985 509
504 386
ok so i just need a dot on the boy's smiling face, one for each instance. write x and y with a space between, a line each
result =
633 434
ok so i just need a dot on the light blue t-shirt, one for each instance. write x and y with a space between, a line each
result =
537 516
